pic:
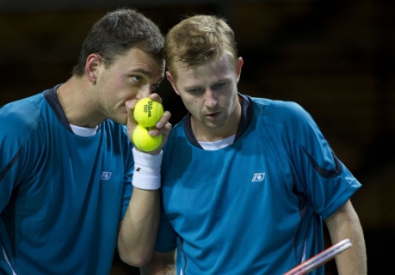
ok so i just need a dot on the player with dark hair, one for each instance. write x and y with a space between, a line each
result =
72 186
246 182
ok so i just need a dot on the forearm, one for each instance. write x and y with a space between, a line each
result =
137 233
160 264
344 224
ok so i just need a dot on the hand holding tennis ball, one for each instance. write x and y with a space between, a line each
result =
147 113
143 140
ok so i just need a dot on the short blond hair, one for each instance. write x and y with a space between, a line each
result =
197 40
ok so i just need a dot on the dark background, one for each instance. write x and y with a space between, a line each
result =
335 58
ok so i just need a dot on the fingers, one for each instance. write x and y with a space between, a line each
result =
162 127
163 121
170 269
155 97
131 103
130 122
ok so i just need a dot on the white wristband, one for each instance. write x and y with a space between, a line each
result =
146 170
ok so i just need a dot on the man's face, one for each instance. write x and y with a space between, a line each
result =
132 75
209 93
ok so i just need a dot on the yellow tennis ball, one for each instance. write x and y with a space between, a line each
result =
144 141
147 112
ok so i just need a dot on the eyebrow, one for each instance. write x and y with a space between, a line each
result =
148 73
214 83
189 87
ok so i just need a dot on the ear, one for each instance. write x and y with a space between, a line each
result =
172 82
92 64
239 64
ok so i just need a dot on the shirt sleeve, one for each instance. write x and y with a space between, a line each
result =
129 167
14 160
319 175
167 238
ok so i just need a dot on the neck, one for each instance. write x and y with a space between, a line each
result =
203 133
77 107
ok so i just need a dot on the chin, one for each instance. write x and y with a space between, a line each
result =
121 120
214 125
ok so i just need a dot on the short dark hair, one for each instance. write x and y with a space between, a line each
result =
117 32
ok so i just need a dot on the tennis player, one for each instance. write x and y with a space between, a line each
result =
247 182
67 165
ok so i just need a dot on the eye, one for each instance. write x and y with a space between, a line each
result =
136 78
219 85
195 90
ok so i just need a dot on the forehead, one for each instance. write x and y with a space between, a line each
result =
216 69
138 60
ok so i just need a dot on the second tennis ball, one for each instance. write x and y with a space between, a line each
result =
147 112
143 141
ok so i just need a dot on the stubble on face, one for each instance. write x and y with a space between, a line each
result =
131 76
215 110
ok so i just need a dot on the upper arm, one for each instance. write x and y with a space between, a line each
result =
344 218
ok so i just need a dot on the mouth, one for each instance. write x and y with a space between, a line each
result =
213 115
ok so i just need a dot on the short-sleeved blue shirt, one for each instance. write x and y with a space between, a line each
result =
62 196
255 206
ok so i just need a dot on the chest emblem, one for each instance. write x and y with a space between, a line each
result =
105 175
258 177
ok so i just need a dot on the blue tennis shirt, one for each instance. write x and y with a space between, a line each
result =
256 206
62 196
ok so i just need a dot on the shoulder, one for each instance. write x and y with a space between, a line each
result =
279 111
178 128
177 136
19 121
278 107
288 116
22 116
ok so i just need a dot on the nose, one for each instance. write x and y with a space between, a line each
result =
210 99
145 91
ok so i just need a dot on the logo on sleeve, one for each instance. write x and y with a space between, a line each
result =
258 177
105 175
325 173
